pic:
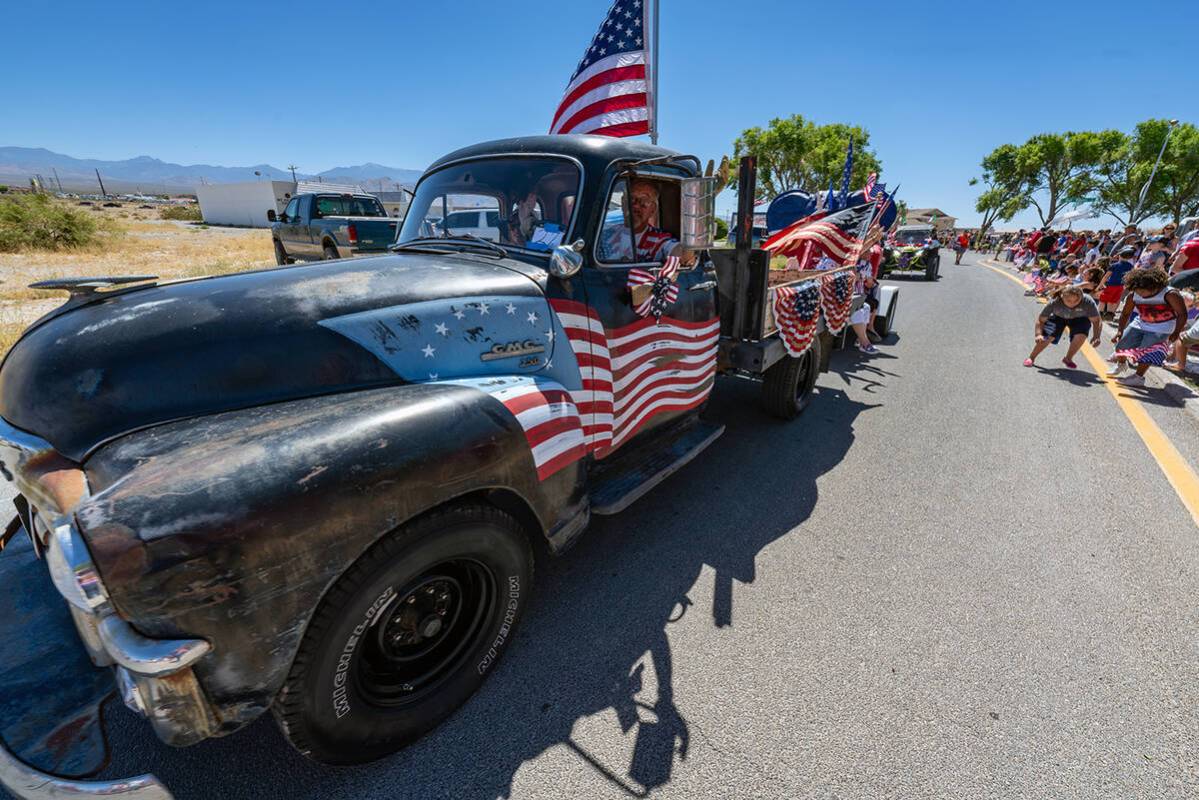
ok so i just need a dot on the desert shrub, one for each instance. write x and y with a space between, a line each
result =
188 213
36 222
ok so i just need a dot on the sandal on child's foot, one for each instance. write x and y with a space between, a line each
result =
1028 362
1070 364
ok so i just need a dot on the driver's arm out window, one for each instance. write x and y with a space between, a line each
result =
616 238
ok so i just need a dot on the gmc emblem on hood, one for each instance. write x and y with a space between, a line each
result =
512 350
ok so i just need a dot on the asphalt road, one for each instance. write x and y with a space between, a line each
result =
951 577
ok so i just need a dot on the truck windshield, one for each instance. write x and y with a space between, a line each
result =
517 202
913 237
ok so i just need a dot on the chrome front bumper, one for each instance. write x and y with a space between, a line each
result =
154 676
29 784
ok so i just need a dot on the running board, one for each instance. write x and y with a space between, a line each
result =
627 483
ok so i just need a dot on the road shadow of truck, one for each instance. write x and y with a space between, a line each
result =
594 649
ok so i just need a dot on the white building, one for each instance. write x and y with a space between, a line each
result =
244 204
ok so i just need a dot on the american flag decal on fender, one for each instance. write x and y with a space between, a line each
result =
796 311
631 374
547 414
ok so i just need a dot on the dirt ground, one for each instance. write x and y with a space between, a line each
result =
143 245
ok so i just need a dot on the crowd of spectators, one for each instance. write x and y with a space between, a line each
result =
1137 279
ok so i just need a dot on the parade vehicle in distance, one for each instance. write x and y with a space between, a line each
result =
329 225
913 248
316 490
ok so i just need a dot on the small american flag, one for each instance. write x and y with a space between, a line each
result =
608 92
1154 354
870 181
663 290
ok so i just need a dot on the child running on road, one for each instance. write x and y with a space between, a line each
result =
1071 311
1161 319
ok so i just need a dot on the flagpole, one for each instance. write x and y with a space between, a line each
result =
651 18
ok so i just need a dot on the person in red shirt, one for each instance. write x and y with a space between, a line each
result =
1187 257
960 246
1076 245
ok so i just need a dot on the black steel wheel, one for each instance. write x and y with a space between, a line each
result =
330 252
406 635
787 387
281 256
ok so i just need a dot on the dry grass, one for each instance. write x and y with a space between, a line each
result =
140 245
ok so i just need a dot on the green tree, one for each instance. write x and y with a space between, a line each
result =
1057 169
1120 170
1176 185
795 153
1003 182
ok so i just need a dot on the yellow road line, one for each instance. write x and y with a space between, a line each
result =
1178 472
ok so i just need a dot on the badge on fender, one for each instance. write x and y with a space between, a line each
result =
512 350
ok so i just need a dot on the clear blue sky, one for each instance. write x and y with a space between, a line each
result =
937 84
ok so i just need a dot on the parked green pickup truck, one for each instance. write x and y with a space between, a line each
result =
330 225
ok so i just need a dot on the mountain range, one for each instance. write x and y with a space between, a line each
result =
19 164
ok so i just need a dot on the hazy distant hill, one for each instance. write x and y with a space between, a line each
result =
18 164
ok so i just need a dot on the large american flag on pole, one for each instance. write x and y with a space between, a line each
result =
608 93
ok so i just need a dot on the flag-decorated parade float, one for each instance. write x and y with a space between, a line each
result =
913 248
316 490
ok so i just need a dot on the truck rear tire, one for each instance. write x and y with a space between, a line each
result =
281 256
330 252
787 388
407 635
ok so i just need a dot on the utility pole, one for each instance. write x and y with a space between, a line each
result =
292 167
1145 189
103 193
56 180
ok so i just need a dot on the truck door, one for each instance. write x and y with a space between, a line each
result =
301 233
661 368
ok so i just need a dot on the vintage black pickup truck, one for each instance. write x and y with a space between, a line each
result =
317 490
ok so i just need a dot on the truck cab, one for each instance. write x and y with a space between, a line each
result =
316 489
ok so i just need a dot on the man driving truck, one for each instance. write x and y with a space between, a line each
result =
653 243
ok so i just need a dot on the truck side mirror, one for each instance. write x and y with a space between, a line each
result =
566 260
698 217
270 215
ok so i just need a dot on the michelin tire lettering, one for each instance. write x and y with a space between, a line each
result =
341 703
506 627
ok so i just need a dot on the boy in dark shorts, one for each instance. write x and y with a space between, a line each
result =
1071 311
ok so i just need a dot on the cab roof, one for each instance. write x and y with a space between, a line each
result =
594 152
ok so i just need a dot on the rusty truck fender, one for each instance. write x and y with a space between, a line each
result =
231 527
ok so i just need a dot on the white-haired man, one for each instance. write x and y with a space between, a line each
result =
652 243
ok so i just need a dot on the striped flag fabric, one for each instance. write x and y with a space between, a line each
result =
663 290
796 312
635 372
869 188
836 300
1154 354
608 94
832 235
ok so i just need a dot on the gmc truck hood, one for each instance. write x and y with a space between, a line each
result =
187 349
